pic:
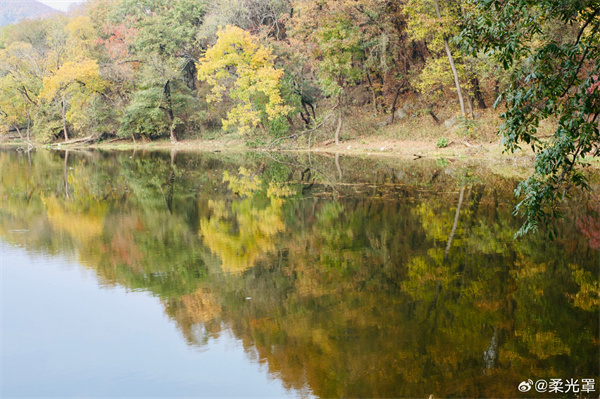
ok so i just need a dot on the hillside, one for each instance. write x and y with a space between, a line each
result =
12 11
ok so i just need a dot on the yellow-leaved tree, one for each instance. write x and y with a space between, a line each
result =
76 83
238 64
72 80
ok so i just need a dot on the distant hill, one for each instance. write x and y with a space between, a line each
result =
12 11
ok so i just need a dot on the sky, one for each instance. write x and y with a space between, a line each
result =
62 5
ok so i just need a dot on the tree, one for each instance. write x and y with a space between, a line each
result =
76 82
165 46
250 15
552 50
436 25
15 107
22 67
237 57
332 33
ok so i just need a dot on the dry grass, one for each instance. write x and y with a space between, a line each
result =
419 125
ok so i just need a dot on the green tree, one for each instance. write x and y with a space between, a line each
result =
165 46
552 49
331 31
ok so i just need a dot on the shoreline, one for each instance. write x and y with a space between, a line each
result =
458 148
487 157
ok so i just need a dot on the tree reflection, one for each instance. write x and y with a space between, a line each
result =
243 230
378 288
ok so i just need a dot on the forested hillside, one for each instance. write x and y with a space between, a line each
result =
12 11
278 69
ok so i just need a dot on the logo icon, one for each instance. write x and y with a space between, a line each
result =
525 386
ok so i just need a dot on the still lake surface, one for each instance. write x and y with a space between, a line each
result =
165 274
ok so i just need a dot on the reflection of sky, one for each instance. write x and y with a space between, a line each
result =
65 336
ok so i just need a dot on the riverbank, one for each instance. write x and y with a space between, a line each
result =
363 134
489 155
394 141
455 148
415 135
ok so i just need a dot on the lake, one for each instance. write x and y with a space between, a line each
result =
174 274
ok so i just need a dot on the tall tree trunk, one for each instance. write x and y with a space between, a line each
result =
451 60
455 73
64 119
169 110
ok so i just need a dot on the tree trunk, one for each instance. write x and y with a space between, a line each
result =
339 127
19 131
372 92
169 111
434 116
451 60
477 93
291 122
64 119
394 105
190 74
496 88
470 104
172 135
380 92
455 73
28 124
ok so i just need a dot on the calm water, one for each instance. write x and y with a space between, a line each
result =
184 275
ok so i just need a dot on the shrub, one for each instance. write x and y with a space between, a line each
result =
442 142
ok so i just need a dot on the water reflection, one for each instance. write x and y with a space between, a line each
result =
344 277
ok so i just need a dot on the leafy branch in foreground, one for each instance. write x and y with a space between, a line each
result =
551 49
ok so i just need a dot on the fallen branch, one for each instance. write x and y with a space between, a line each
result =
295 136
471 145
117 139
6 138
83 140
